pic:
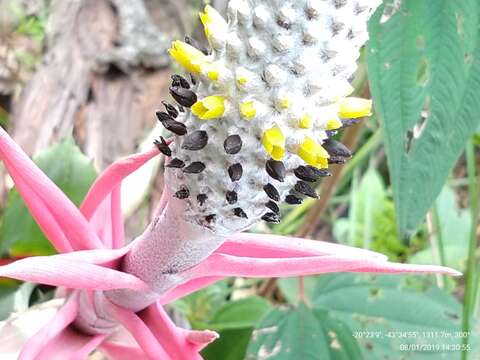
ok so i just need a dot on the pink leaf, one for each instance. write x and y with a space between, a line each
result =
25 173
142 334
70 345
188 288
59 323
228 265
173 338
276 246
64 270
111 178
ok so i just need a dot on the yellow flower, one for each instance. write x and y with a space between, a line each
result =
211 107
274 142
353 108
313 153
189 57
212 21
248 110
334 124
305 122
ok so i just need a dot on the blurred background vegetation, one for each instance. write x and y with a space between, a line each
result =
79 85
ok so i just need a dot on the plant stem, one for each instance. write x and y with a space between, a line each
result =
471 283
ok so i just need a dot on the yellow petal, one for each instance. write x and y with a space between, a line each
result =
189 57
352 108
305 122
334 124
274 143
211 107
313 153
248 110
212 21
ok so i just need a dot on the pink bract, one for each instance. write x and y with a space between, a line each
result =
92 246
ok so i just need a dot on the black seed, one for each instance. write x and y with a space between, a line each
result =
171 124
180 81
183 193
183 96
181 109
211 218
201 198
163 146
176 164
293 200
276 169
233 144
319 172
337 160
272 192
305 173
240 213
273 206
171 110
232 197
303 188
271 218
194 168
195 141
336 148
193 79
349 122
235 172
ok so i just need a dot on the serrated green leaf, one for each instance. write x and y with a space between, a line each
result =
424 70
72 172
302 333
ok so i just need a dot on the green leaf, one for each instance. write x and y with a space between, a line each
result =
240 314
15 298
235 322
301 333
424 70
72 172
385 312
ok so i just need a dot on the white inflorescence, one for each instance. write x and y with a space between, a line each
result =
277 81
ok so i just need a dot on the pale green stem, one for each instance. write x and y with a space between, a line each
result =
471 282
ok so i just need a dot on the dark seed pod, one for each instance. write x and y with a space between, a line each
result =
336 148
183 96
233 144
271 192
349 122
201 198
171 110
271 218
306 174
197 140
276 169
303 188
194 168
273 206
180 81
171 124
163 146
232 197
293 200
183 193
337 160
193 79
211 218
235 172
181 109
319 172
176 164
240 213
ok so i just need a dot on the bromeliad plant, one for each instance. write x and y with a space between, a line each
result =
252 128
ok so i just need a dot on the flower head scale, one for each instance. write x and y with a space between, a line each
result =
262 105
